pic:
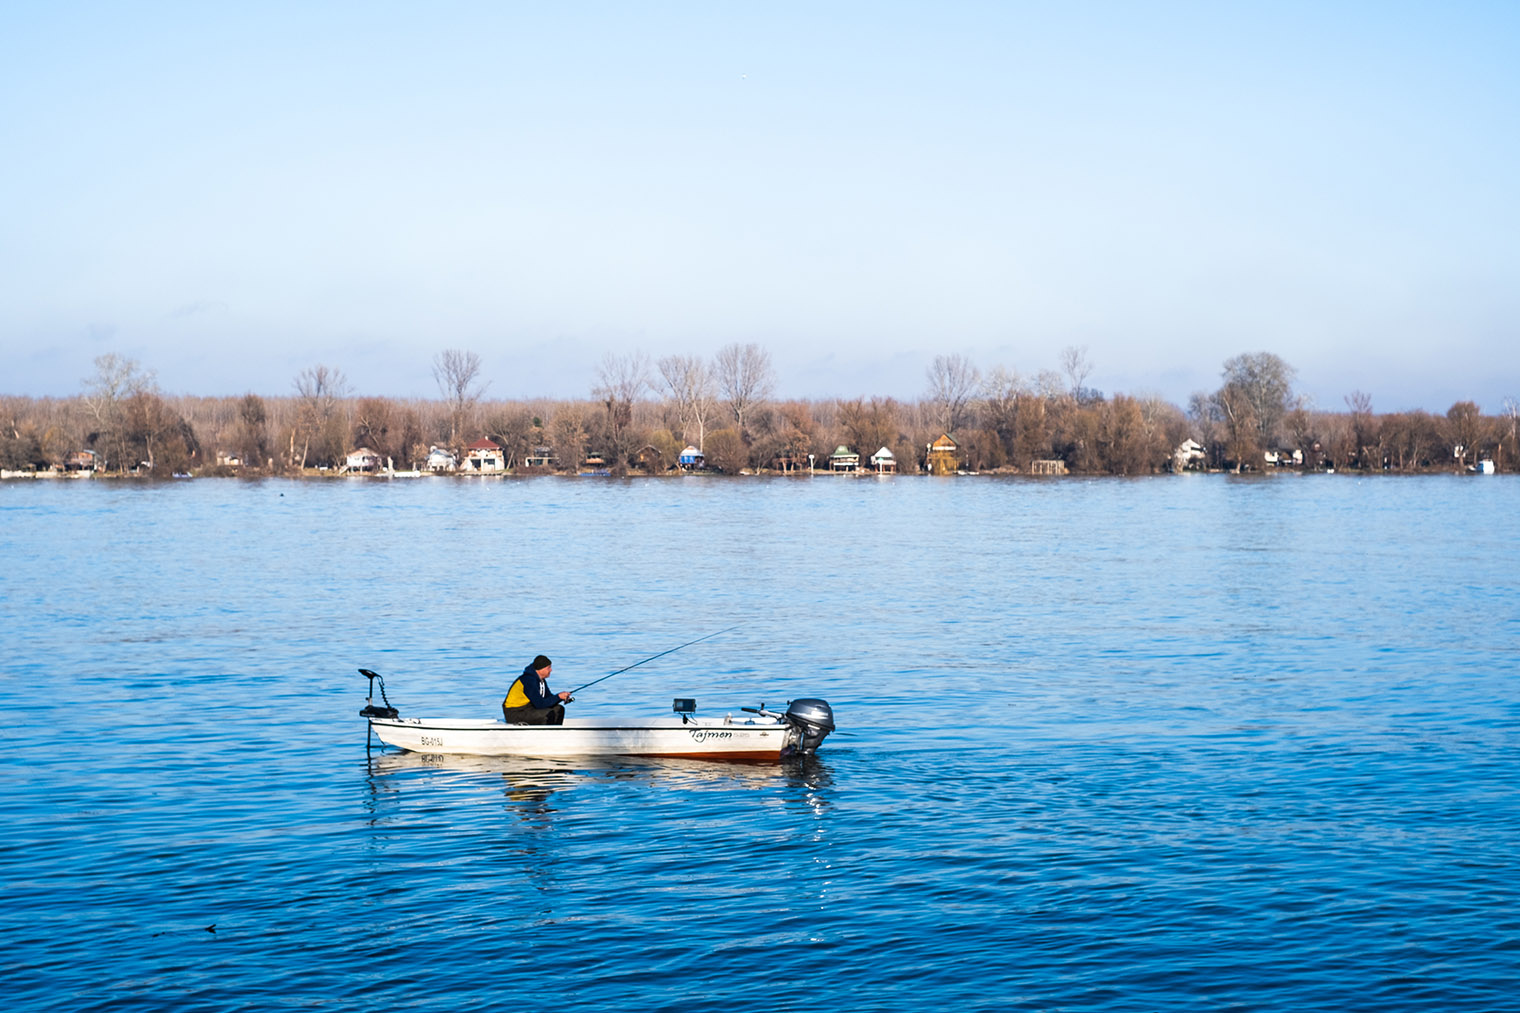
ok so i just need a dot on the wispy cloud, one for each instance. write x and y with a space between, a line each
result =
201 307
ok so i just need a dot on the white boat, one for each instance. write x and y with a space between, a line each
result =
760 734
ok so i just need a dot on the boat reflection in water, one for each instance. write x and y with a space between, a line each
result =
452 794
532 782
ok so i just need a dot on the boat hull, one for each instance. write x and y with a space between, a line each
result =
712 740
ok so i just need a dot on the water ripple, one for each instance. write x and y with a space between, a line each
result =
1175 760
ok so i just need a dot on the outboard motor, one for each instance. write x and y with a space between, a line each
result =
813 719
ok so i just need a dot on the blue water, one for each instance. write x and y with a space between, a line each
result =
1192 743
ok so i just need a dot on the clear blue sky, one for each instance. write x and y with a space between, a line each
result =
230 193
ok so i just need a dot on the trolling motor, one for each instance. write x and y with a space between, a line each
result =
813 719
370 710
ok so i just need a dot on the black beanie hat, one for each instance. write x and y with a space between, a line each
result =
540 663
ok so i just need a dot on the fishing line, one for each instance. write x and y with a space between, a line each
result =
652 657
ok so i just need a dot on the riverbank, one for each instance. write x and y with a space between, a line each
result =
318 475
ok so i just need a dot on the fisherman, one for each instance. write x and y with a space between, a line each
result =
529 701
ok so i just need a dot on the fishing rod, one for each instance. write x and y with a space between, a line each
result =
662 654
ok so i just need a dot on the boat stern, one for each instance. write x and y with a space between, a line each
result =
812 720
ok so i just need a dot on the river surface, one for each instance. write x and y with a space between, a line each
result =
1185 743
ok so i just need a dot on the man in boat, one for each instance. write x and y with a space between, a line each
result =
529 701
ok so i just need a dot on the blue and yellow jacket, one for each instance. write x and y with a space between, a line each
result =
530 691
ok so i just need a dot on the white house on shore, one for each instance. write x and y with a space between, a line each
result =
1189 454
362 460
484 456
440 460
884 461
1284 458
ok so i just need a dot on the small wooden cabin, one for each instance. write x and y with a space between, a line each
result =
651 459
944 456
82 460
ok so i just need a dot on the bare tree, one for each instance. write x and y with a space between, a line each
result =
567 434
1300 422
1204 418
22 434
513 430
953 382
116 382
745 378
1076 365
1125 444
252 439
1004 394
1364 428
1411 438
688 380
726 452
1242 427
116 379
792 435
457 373
1261 383
1511 440
870 424
378 425
319 391
159 436
1466 429
321 388
621 379
1047 383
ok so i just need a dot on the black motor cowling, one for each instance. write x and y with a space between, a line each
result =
372 709
813 719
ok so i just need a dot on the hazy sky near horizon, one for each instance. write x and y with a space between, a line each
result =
231 193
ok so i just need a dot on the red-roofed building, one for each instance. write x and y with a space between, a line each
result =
484 456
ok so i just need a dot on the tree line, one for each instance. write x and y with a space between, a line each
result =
641 413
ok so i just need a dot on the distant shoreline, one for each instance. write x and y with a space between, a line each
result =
318 476
719 415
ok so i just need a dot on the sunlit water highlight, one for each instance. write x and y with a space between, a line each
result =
1195 743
